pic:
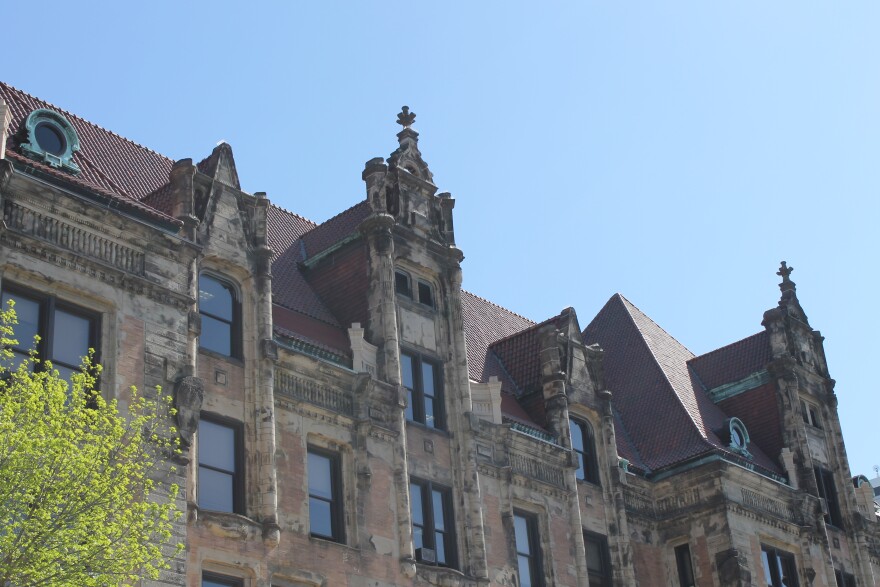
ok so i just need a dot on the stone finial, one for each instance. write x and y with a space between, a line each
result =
405 118
784 272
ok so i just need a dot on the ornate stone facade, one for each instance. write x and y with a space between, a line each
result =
351 416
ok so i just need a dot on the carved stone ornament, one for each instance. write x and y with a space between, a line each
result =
732 569
269 349
189 393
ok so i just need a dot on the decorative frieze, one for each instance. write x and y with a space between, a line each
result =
72 238
768 504
317 394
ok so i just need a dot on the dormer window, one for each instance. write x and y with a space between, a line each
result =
50 139
738 437
421 292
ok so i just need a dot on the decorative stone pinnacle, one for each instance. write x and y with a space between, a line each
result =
405 118
784 272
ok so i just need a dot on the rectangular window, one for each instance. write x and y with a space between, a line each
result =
66 332
844 579
221 482
779 568
528 550
426 294
325 495
685 566
809 413
213 580
424 390
828 492
598 560
432 523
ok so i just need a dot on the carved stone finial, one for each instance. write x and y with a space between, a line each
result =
784 272
405 118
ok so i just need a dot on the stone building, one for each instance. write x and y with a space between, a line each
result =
351 416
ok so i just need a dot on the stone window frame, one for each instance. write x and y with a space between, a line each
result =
429 526
238 474
588 462
236 328
684 564
535 555
48 306
734 427
417 289
603 576
337 499
415 411
771 555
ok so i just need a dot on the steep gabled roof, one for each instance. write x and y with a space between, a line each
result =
335 229
520 355
668 416
485 323
733 362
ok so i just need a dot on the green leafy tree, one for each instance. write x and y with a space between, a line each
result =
78 503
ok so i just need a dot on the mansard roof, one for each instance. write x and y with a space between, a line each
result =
668 415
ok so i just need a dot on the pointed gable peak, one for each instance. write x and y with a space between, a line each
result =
220 165
407 156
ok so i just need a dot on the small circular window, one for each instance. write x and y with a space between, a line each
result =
739 436
50 138
736 438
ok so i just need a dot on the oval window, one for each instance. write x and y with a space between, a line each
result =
50 138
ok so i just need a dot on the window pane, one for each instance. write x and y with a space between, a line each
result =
525 572
594 555
437 499
401 284
215 490
320 521
216 445
70 338
429 412
521 530
28 314
320 479
65 373
406 371
410 415
428 378
768 577
215 298
418 537
425 296
415 500
216 336
440 547
577 436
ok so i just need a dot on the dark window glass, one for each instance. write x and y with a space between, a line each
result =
220 317
528 550
844 579
598 560
66 332
828 491
426 294
220 478
402 284
433 524
685 566
212 580
49 138
325 502
583 443
424 391
779 568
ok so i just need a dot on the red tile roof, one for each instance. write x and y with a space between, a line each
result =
669 417
335 229
110 165
733 362
485 323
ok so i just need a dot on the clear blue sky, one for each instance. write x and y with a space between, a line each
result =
674 152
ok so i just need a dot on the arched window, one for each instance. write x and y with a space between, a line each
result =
584 445
221 317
